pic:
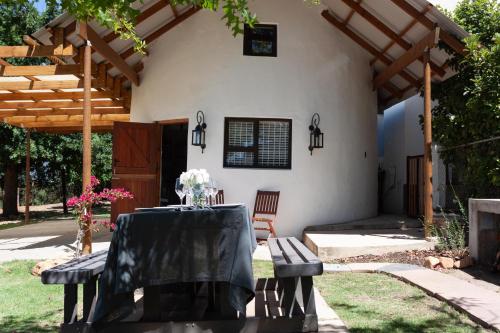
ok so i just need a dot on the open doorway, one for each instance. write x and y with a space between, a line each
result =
173 159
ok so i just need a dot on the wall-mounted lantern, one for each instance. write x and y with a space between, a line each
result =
198 135
315 135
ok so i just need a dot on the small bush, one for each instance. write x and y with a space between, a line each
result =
452 233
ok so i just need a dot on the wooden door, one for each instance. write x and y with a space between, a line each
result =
136 165
415 185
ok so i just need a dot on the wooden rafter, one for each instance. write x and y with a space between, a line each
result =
32 42
87 33
64 118
168 26
451 41
41 70
56 104
401 33
71 123
148 12
367 46
41 85
34 51
428 42
61 112
388 32
351 14
45 96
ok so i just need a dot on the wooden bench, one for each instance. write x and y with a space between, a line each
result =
84 270
283 303
294 268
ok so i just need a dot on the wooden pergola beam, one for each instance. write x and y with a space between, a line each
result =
388 32
367 46
61 130
42 85
451 41
66 118
417 51
46 96
61 112
28 40
54 124
57 104
87 33
42 70
35 51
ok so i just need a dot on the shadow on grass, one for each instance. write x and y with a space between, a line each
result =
403 325
31 324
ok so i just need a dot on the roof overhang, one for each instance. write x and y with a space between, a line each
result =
49 98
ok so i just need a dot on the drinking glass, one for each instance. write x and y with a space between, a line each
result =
215 190
179 189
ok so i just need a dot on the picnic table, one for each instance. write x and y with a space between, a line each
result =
195 270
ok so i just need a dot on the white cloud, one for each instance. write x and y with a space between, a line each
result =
448 4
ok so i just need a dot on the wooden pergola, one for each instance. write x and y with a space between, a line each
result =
87 85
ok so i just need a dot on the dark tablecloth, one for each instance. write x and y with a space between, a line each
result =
166 246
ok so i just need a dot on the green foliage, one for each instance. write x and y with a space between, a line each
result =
469 102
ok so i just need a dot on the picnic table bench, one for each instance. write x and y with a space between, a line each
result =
283 303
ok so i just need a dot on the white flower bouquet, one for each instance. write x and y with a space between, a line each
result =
194 181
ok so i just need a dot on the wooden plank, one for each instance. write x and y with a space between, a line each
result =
37 96
65 118
73 123
41 85
450 40
364 44
58 104
41 70
33 42
87 33
429 41
159 5
387 31
60 112
303 251
34 51
170 25
70 302
289 252
288 262
401 33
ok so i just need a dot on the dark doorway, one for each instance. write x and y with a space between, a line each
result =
173 160
415 185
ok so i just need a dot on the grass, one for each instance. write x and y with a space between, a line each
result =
25 304
368 303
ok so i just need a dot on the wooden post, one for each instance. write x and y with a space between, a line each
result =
428 211
87 133
27 192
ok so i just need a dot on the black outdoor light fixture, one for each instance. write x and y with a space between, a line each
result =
198 136
315 135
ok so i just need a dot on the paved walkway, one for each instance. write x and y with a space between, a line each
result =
45 240
482 305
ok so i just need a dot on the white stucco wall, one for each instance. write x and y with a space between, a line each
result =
403 137
200 66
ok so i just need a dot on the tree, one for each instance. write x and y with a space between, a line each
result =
469 102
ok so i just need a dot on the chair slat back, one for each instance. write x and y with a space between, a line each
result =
266 202
219 198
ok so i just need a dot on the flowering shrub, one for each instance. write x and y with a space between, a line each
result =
82 208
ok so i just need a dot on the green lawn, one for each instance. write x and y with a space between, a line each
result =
371 303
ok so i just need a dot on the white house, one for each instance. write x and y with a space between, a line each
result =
341 59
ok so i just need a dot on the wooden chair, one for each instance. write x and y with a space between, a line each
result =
266 203
219 199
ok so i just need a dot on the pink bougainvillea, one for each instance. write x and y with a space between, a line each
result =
82 207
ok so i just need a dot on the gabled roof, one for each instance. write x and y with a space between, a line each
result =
395 32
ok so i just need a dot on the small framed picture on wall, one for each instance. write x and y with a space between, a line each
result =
261 40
